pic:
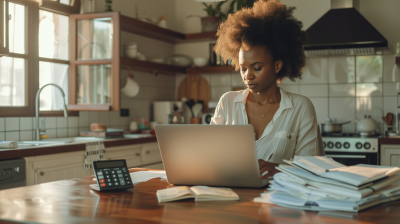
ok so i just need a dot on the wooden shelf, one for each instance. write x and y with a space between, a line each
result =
210 69
147 66
135 26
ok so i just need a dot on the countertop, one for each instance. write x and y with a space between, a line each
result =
25 151
389 141
72 201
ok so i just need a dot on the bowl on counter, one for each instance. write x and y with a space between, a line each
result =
180 60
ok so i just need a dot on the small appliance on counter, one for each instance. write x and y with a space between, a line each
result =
206 118
12 173
163 110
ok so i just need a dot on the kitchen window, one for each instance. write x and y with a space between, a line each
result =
30 65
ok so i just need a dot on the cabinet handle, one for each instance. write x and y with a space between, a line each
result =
137 154
41 173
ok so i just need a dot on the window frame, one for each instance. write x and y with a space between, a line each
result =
32 58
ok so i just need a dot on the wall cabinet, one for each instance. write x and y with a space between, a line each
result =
390 156
47 168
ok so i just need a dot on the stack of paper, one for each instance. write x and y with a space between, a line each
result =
319 183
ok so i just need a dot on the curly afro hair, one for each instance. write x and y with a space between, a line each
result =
268 23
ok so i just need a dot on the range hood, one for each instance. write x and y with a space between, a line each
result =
343 31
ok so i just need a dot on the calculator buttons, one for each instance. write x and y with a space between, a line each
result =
122 181
116 183
100 173
128 182
103 184
110 184
101 177
108 180
107 176
115 179
125 175
119 171
106 172
120 175
102 181
126 178
112 171
114 175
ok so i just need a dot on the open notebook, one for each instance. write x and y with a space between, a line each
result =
199 193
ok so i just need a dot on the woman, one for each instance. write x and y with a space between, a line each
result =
266 44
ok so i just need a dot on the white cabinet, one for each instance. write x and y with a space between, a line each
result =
390 156
61 166
47 168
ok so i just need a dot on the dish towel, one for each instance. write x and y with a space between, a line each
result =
94 151
8 145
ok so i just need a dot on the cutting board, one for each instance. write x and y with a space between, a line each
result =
197 88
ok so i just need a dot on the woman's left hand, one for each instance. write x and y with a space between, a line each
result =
267 166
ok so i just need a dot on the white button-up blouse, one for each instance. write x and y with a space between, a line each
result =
292 131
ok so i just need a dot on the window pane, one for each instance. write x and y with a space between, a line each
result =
12 81
94 40
50 97
93 84
53 35
17 28
65 2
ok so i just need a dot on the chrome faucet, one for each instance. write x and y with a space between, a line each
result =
38 107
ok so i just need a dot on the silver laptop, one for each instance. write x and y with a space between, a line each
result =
212 155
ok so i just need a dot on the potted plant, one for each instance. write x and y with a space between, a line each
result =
215 14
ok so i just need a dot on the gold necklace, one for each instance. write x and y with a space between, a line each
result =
260 110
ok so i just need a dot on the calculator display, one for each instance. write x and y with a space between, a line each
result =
110 164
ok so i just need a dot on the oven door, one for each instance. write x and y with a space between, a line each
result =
353 158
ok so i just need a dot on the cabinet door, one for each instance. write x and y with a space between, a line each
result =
151 153
390 156
131 153
94 62
42 169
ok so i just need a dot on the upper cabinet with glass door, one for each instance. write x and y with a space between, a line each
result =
94 62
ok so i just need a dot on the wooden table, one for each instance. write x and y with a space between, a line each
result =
72 201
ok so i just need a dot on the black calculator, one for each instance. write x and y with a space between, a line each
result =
112 175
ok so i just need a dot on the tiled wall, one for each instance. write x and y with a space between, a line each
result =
152 88
341 87
350 87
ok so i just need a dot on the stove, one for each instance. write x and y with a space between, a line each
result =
351 148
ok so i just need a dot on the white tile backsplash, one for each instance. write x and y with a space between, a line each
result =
2 124
2 136
291 88
341 69
50 122
73 122
25 123
342 90
221 79
12 124
369 68
12 136
84 119
105 118
236 79
316 71
51 133
62 133
26 135
73 132
389 89
94 117
368 89
389 105
342 108
62 122
114 118
321 108
217 92
391 71
320 90
367 106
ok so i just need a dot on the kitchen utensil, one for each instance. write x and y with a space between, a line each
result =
197 109
331 127
129 87
130 50
197 88
200 62
190 103
180 60
366 126
133 126
389 117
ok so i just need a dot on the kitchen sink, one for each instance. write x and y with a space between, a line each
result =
40 143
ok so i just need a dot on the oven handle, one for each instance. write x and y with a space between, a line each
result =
347 156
